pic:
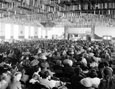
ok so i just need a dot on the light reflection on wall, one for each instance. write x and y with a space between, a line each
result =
16 31
26 28
7 31
55 31
39 32
31 31
2 29
43 32
101 31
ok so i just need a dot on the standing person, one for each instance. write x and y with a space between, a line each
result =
76 78
15 81
108 81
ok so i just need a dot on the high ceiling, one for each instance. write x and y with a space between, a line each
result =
50 10
86 1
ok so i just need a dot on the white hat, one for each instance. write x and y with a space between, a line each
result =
90 82
18 76
94 64
68 61
43 57
91 54
84 61
95 82
87 82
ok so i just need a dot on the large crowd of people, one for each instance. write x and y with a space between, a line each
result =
60 64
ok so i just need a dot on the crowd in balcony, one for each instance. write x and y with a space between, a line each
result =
59 64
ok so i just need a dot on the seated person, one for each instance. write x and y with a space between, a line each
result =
44 78
15 81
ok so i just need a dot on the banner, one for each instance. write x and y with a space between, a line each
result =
76 30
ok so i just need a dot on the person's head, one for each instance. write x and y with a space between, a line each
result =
43 57
77 70
17 76
58 62
101 66
6 76
44 74
44 65
68 62
3 76
2 70
106 64
23 71
92 73
107 72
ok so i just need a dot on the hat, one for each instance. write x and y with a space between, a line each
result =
36 57
87 82
68 62
84 61
93 73
77 70
91 54
34 62
97 59
58 62
89 48
18 76
44 64
43 57
44 74
108 71
90 82
94 64
95 82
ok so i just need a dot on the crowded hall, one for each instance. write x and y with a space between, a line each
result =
57 44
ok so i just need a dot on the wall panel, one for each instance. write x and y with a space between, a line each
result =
76 30
39 32
16 31
7 31
100 31
26 29
2 30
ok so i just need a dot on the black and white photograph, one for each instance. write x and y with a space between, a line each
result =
57 44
